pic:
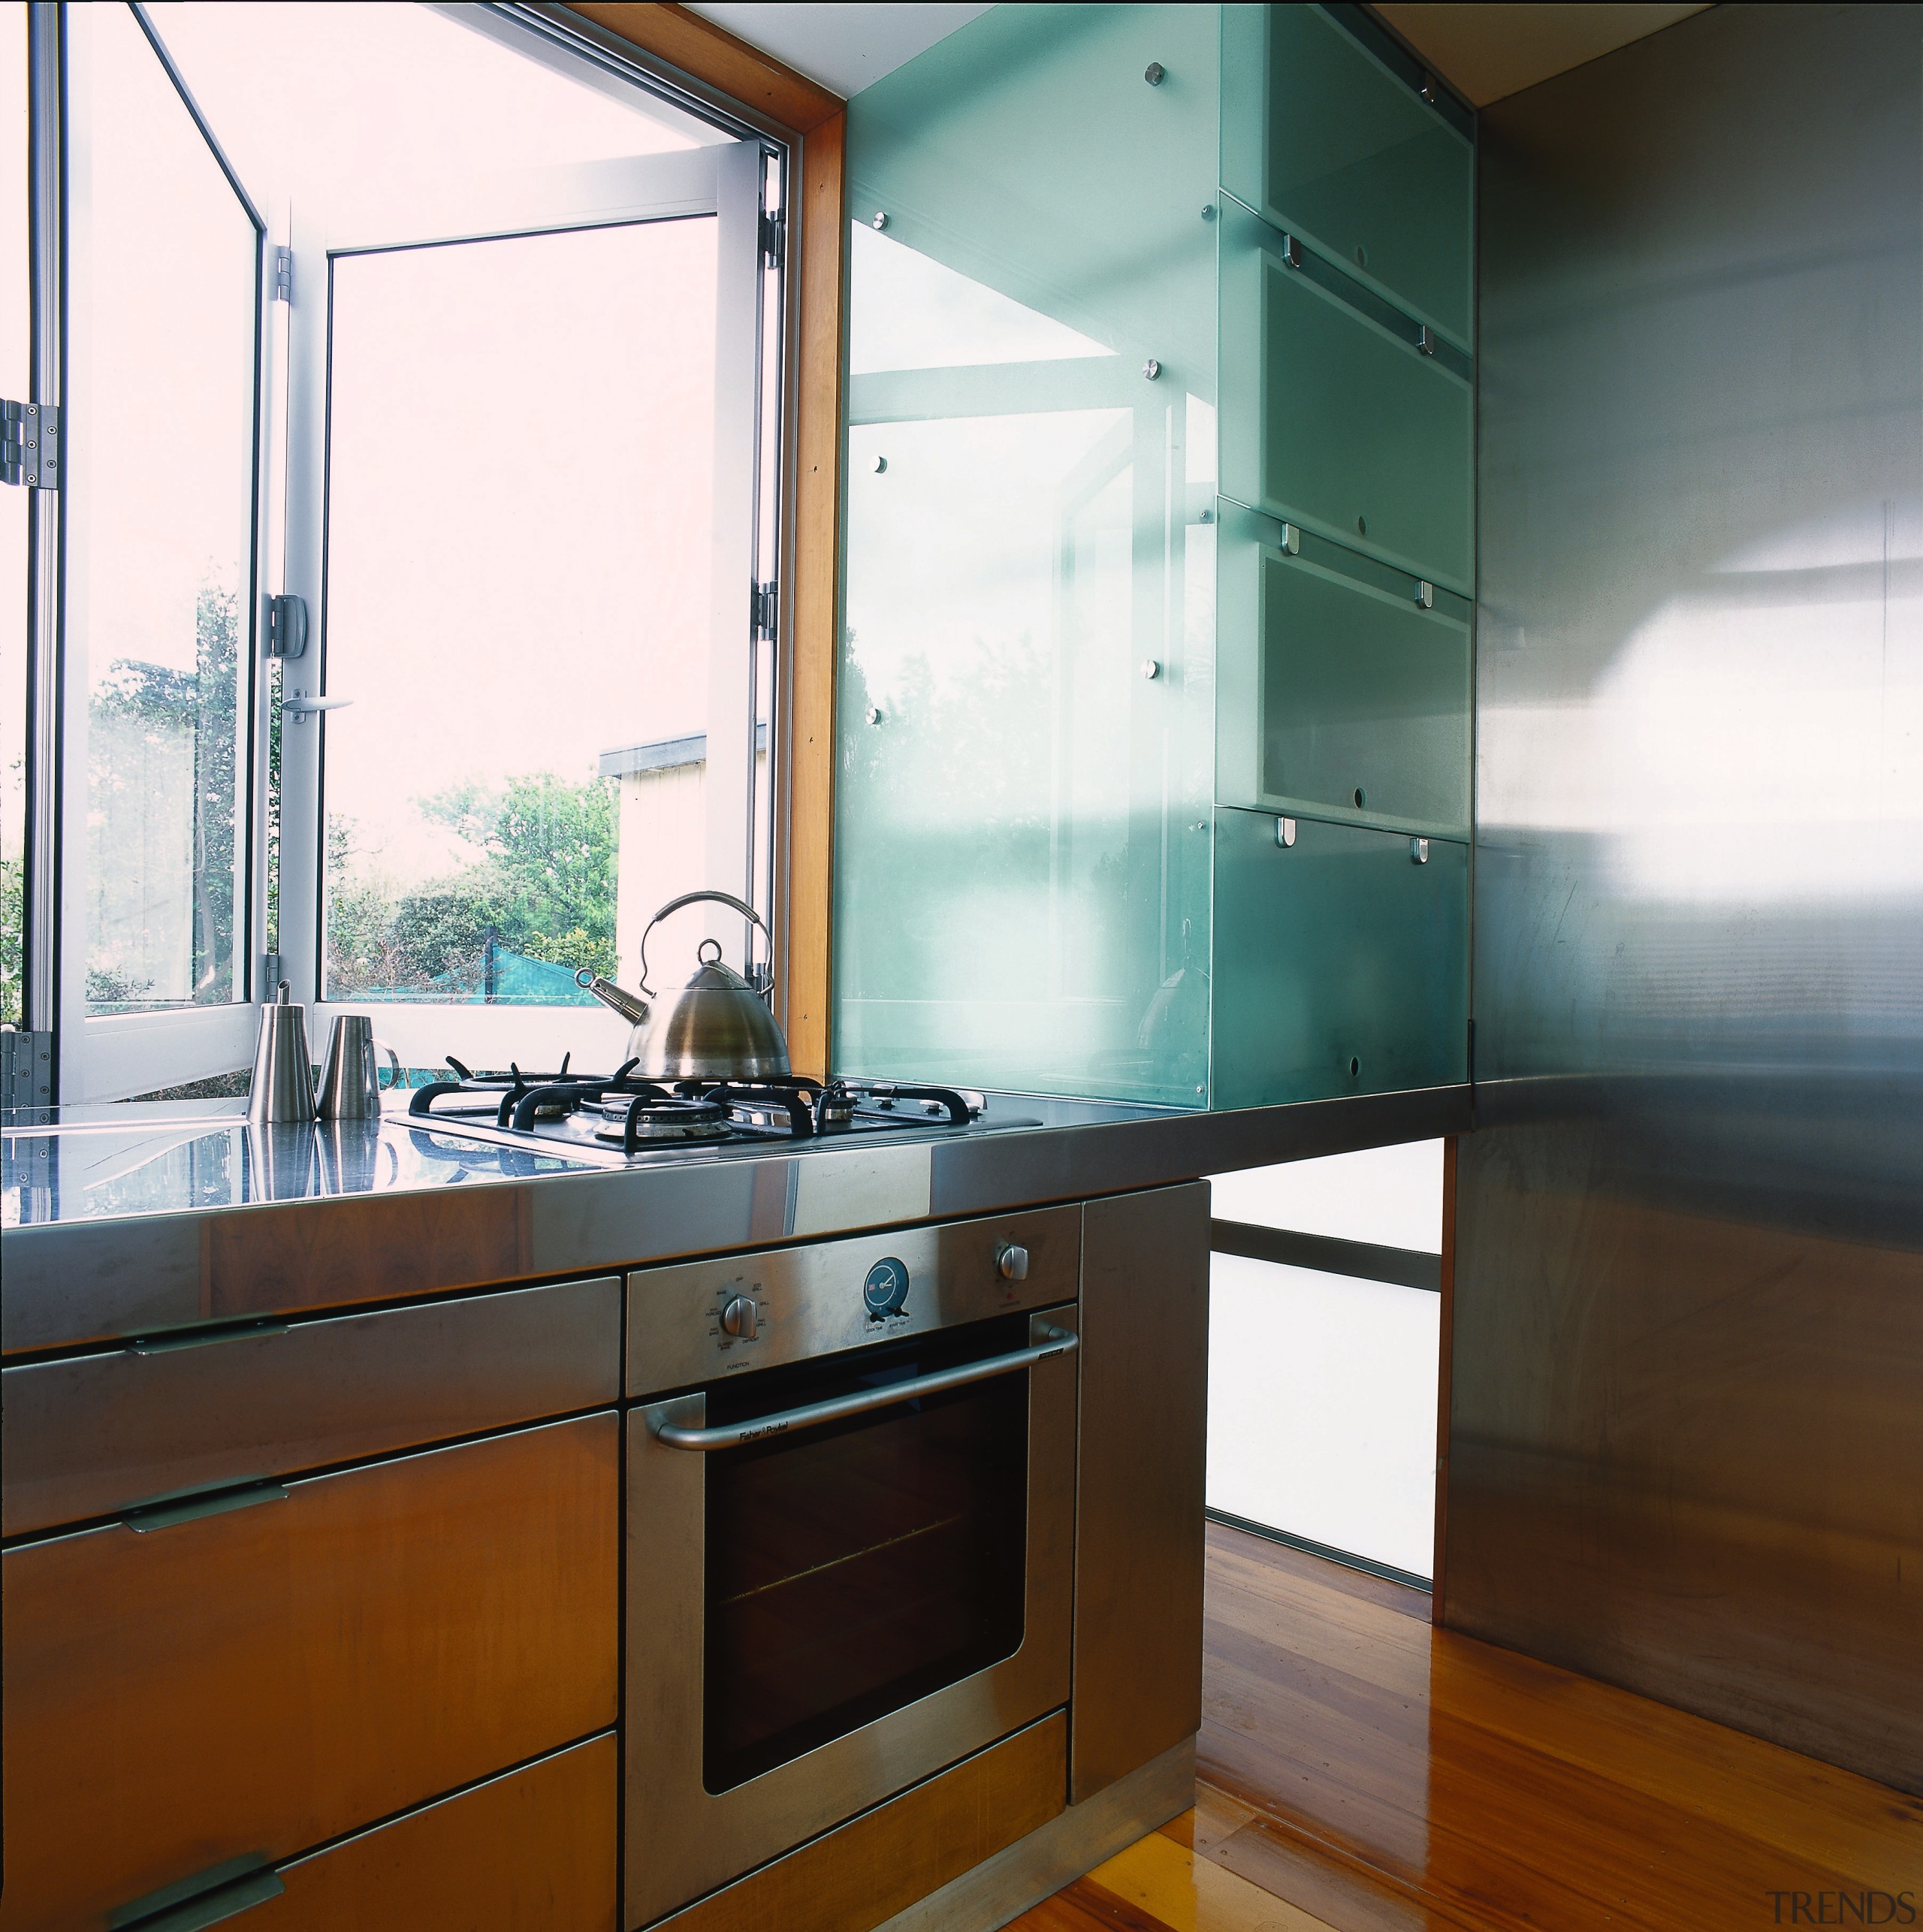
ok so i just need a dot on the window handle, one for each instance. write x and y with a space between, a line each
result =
303 707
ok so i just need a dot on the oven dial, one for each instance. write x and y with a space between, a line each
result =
1012 1262
741 1318
886 1290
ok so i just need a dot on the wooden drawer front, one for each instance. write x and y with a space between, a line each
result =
256 1681
93 1436
533 1852
852 1879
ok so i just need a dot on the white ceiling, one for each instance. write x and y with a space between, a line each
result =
843 48
1487 51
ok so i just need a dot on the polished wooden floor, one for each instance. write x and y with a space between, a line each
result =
1362 1772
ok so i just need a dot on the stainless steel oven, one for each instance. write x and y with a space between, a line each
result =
851 1500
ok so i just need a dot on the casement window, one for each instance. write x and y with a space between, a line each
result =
400 621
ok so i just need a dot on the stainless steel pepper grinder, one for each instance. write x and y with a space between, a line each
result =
282 1088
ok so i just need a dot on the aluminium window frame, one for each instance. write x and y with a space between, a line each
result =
118 1056
111 1057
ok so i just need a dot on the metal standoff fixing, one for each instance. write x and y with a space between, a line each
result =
1151 369
1155 73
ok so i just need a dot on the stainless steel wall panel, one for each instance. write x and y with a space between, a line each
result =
1686 1440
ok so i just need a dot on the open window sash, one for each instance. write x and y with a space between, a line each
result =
724 182
166 292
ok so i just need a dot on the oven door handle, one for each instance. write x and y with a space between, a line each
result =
1060 1341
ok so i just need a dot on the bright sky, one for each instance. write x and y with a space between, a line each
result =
520 540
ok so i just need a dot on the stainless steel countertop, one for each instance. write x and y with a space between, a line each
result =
142 1216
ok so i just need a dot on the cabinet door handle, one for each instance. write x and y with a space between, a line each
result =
164 1512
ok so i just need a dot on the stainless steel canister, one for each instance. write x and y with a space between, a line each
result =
282 1089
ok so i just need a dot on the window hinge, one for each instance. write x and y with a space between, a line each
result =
773 238
287 626
26 1068
767 612
283 276
30 445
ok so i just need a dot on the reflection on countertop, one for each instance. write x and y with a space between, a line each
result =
102 1163
139 1158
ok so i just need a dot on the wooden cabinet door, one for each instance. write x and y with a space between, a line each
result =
256 1681
531 1852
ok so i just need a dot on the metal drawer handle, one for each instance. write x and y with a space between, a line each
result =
206 1336
165 1511
225 1892
1060 1341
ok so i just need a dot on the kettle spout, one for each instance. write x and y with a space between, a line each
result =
631 1007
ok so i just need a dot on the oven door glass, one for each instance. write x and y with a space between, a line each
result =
854 1567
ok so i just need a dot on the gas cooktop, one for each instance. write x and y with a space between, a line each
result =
621 1115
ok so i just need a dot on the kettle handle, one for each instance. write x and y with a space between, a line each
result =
741 906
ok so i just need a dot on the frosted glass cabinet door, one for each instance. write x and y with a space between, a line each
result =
1364 703
1354 431
1341 964
1321 138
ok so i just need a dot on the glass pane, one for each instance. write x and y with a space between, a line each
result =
518 557
857 1567
14 285
1389 1197
1326 143
1322 1393
1289 1025
1357 434
1026 694
160 482
1365 695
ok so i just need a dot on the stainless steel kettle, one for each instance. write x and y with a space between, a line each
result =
718 1026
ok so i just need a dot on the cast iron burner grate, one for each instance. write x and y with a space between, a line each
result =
622 1109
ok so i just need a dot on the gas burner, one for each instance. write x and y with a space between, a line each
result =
872 1104
645 1120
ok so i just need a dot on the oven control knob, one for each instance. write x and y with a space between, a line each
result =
741 1318
1013 1262
886 1290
